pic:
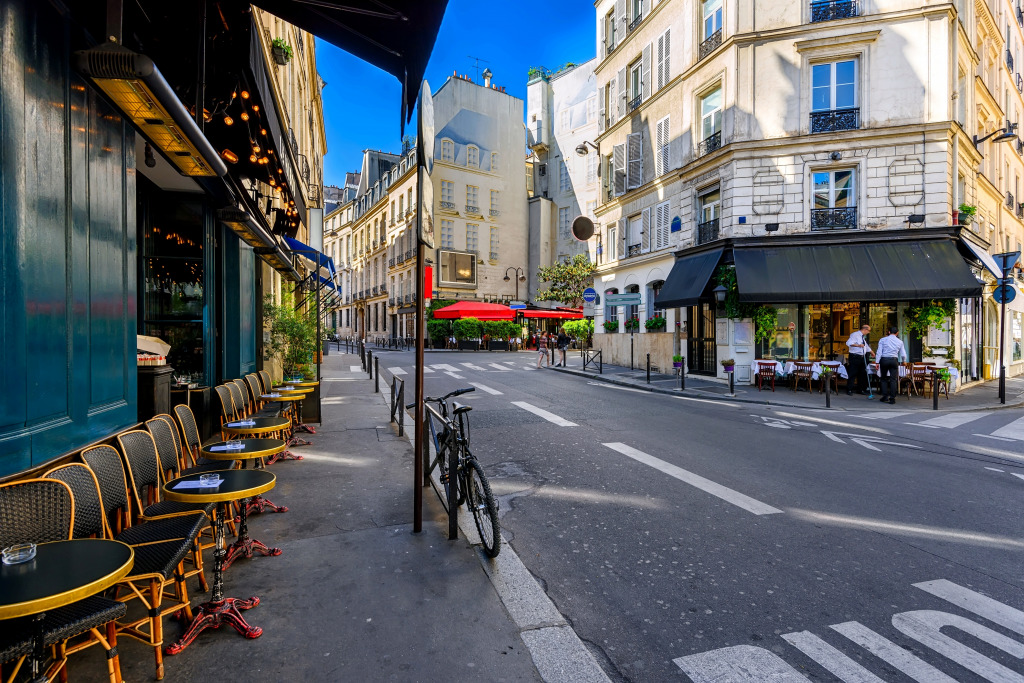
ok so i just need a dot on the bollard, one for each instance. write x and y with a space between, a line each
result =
376 375
401 409
648 368
828 395
369 363
682 375
935 392
732 388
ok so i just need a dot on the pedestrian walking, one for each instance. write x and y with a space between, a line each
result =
859 351
563 344
542 350
890 350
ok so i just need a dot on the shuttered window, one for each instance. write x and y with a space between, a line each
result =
661 158
663 74
662 221
634 161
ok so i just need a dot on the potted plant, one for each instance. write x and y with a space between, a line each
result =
677 361
632 324
966 213
611 325
729 364
281 50
655 323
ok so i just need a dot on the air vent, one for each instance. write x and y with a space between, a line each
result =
113 61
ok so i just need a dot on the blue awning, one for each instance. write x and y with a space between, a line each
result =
310 254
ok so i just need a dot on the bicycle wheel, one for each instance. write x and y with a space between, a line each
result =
484 507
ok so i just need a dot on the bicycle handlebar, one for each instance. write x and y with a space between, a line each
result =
457 392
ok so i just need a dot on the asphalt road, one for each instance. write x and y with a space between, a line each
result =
750 543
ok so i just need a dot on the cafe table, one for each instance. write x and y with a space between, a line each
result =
294 399
256 426
61 573
233 485
250 449
303 386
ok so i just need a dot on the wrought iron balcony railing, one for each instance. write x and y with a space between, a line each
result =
1020 16
839 218
827 10
835 119
391 262
1009 200
1020 83
1020 210
635 102
1009 61
383 289
709 144
709 44
636 22
633 250
707 231
448 205
495 212
391 301
472 209
408 254
494 256
609 48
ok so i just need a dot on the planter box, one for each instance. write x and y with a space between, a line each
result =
497 345
280 56
467 345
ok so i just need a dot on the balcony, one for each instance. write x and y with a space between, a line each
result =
391 262
1020 210
609 48
1020 83
495 212
835 119
636 22
709 45
383 289
827 10
841 218
1020 16
408 254
1009 61
633 250
373 290
635 102
391 301
710 144
1009 200
374 244
475 210
1020 146
494 256
450 206
707 231
304 168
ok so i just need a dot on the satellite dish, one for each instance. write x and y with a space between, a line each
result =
582 228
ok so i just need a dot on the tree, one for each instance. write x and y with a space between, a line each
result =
568 280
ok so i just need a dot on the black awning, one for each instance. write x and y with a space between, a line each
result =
869 271
688 279
394 35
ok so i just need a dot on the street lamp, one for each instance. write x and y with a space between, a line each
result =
521 277
581 149
1004 134
720 293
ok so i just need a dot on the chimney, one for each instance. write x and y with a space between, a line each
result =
487 78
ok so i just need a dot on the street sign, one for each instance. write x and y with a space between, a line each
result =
588 310
517 305
1007 261
1004 294
630 299
590 295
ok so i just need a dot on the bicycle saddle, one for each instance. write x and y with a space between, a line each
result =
458 408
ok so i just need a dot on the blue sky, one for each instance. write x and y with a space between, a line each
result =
511 36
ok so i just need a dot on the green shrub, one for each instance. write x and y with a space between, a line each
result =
467 328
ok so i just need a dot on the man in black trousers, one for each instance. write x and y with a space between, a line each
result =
859 351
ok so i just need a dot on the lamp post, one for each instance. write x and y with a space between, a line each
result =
1004 293
520 277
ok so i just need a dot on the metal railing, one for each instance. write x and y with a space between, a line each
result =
633 250
1009 200
494 256
635 102
1020 210
408 255
383 289
1020 83
1009 60
707 231
610 48
304 168
709 44
391 301
472 209
593 357
448 205
709 144
636 22
835 119
841 218
495 212
1020 16
828 10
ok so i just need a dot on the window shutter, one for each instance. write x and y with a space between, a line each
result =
661 225
613 108
661 161
621 78
618 170
645 230
645 72
600 111
601 48
624 249
663 59
634 161
620 19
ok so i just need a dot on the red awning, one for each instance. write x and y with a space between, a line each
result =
561 314
476 309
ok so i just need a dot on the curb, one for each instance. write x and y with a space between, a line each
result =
729 399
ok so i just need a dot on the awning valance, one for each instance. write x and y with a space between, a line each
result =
558 314
475 309
867 271
688 279
307 252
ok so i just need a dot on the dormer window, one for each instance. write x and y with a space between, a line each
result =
473 156
447 150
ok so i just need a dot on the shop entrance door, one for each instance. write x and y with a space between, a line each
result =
701 353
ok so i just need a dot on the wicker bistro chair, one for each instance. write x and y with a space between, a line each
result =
41 511
227 407
765 375
801 372
265 381
240 395
255 391
143 467
191 445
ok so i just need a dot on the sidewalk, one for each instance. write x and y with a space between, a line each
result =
981 396
356 595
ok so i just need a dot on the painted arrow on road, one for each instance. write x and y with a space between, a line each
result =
864 440
782 424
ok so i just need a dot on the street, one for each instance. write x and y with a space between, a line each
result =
754 542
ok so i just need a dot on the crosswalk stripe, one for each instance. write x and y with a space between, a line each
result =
427 370
484 387
454 375
499 368
884 414
397 371
527 367
472 366
1014 430
728 495
510 362
540 412
952 420
1019 476
444 366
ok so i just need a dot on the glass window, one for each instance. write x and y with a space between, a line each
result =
636 80
494 242
447 192
611 313
447 150
457 268
834 85
447 234
494 162
473 156
564 184
709 205
472 197
612 242
711 113
495 199
712 17
1016 335
780 346
472 237
563 223
834 189
591 168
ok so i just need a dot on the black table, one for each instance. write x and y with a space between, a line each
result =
252 449
237 484
61 573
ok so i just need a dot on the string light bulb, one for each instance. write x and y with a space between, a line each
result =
252 158
228 121
228 155
256 148
255 107
244 116
263 131
245 94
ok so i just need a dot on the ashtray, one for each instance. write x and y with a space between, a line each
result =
235 445
209 480
17 554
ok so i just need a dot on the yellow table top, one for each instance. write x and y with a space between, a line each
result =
252 449
237 484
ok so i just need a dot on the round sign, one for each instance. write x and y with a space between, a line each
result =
590 295
792 326
1004 294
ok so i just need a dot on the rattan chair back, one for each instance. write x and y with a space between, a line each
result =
265 379
189 431
243 394
90 517
254 389
35 511
227 405
173 426
105 463
143 465
165 447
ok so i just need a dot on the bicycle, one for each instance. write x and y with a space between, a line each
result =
471 485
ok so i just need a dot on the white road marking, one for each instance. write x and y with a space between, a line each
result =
454 375
841 666
427 370
997 438
888 651
510 362
923 626
397 371
995 469
884 414
355 368
530 367
1014 430
473 366
484 387
974 602
865 440
704 400
613 386
499 368
1019 476
738 664
550 417
952 420
728 495
444 366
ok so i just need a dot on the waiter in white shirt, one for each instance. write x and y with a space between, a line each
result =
859 351
890 350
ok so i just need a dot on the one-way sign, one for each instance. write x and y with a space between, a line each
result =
630 299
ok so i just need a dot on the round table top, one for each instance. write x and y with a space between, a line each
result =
237 484
251 448
293 390
61 573
261 425
303 383
283 397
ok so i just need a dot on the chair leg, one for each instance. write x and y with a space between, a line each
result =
113 658
156 627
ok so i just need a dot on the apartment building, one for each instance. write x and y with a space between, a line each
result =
338 245
561 121
801 146
401 251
